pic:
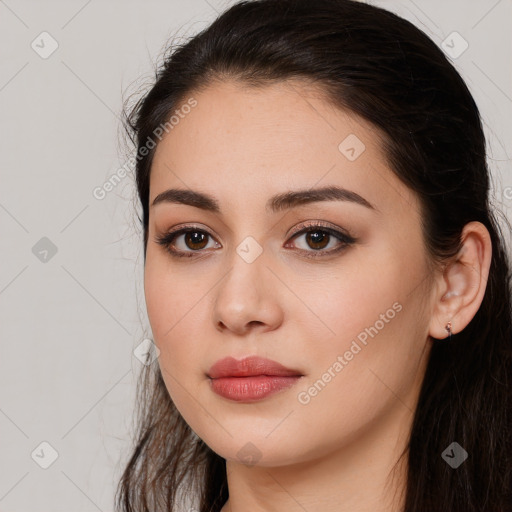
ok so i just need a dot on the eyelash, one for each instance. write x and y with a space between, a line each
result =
346 240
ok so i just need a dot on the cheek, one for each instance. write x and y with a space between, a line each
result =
366 326
338 307
356 373
170 293
173 317
176 304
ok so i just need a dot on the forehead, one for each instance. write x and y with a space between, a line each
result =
240 142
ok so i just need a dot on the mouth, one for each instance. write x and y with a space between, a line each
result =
250 379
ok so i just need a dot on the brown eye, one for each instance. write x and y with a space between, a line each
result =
186 242
317 239
196 240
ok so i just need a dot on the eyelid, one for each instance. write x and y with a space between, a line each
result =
320 224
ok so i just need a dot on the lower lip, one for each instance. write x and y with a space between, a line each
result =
251 389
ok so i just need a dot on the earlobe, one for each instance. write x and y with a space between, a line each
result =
461 286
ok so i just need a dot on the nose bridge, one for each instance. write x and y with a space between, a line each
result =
245 278
247 252
245 295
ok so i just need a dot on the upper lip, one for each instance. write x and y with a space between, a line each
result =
248 367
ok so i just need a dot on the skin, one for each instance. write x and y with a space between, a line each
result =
336 453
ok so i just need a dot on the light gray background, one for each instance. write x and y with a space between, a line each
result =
68 325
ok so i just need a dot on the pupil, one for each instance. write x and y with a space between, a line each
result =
195 238
317 237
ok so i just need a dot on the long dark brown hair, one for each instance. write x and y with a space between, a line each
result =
381 67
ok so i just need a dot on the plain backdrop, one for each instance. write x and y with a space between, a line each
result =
71 300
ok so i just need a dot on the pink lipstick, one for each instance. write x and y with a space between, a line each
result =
250 379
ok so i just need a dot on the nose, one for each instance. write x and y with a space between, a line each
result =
248 298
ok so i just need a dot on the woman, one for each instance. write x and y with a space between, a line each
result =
327 286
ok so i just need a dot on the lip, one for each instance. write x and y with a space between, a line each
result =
250 379
250 367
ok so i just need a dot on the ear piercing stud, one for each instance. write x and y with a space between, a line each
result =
448 328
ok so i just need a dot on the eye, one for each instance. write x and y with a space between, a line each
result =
321 240
178 242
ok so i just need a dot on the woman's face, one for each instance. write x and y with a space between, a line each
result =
345 305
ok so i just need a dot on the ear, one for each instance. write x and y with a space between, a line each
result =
460 289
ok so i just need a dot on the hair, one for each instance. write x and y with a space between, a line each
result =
371 63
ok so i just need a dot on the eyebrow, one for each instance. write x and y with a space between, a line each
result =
277 203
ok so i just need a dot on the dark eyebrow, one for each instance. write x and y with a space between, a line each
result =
294 198
276 203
